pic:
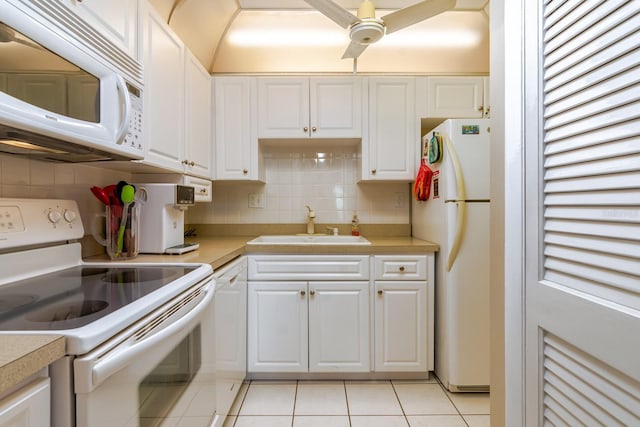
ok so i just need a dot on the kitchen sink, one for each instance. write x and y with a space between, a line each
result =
309 239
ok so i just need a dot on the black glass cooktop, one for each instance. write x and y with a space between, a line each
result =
75 297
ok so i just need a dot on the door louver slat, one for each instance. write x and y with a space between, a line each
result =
581 390
594 138
594 152
602 244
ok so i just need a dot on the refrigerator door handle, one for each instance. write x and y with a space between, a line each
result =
462 205
461 223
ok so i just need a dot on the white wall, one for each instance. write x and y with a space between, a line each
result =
324 179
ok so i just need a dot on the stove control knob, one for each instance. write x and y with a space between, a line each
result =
69 216
54 216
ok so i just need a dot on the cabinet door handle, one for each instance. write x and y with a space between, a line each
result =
303 293
313 129
481 108
185 162
312 292
192 163
379 291
373 171
401 268
245 171
306 129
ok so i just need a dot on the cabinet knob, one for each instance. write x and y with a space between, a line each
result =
203 191
401 268
306 129
373 171
245 171
312 292
379 291
303 293
481 108
313 129
185 162
192 163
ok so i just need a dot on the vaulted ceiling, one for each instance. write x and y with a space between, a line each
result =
288 36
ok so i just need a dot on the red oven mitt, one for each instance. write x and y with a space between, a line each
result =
422 186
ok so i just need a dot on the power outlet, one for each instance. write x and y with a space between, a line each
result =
256 200
399 200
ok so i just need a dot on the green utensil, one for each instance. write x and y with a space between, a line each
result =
127 196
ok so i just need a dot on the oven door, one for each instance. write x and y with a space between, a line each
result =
161 371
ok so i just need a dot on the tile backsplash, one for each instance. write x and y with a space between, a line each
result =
325 179
24 178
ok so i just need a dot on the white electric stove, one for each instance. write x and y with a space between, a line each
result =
138 335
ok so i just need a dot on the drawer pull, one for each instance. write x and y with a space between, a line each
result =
312 292
379 291
303 293
401 268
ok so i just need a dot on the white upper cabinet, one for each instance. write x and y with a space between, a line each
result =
237 154
177 102
323 107
163 59
114 19
388 150
197 155
458 97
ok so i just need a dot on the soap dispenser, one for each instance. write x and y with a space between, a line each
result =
355 225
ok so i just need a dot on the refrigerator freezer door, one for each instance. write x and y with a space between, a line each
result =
465 293
473 154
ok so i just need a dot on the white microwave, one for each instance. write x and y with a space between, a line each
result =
67 93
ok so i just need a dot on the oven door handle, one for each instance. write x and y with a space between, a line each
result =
121 357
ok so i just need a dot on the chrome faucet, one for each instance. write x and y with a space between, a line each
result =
310 218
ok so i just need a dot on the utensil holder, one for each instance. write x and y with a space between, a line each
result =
109 222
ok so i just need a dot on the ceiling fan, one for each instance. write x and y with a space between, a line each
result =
8 35
365 28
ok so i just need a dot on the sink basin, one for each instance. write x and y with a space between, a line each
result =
309 239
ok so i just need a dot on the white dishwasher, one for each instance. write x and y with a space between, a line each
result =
231 334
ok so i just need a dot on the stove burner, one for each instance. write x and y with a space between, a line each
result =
10 302
68 311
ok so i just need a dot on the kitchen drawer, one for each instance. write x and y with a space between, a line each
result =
400 267
308 267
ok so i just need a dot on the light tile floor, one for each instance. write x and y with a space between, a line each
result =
356 404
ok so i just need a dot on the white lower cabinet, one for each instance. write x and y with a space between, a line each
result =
339 327
403 313
277 330
314 314
308 327
401 326
27 407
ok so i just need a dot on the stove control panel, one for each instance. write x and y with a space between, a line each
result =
26 222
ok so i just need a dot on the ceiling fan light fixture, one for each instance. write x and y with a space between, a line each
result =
367 31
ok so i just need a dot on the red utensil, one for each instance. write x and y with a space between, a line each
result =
100 194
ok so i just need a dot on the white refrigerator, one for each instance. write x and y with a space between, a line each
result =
456 216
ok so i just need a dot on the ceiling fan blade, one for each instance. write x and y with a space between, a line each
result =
354 50
334 11
413 14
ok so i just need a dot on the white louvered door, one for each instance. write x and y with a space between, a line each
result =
582 291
